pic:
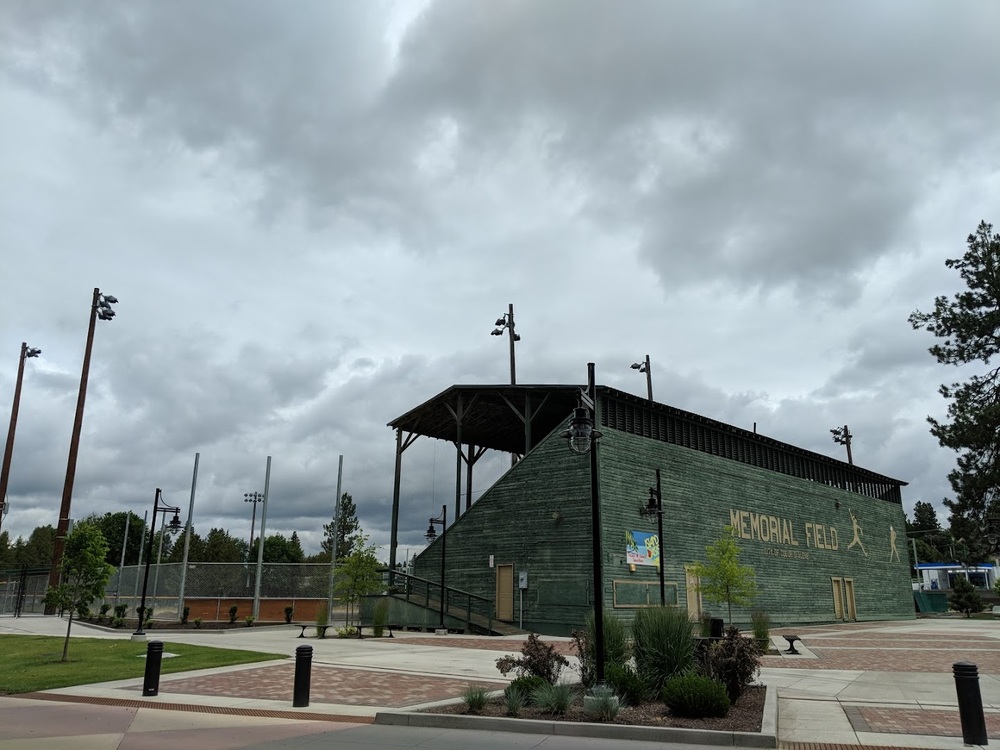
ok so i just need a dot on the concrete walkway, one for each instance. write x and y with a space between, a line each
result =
860 684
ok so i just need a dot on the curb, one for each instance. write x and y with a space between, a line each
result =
767 737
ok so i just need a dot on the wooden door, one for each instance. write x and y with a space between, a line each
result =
505 592
852 612
838 598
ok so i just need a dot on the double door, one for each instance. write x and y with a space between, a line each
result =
844 607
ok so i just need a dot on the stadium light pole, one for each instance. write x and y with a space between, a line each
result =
584 439
645 368
99 308
506 323
252 497
431 535
26 353
842 436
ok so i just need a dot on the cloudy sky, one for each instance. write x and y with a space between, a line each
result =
312 214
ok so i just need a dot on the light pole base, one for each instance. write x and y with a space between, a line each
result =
441 631
138 636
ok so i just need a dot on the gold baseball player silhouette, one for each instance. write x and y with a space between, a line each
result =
858 533
892 544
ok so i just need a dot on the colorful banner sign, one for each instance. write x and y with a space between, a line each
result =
642 548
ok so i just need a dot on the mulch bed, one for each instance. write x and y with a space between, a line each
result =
746 715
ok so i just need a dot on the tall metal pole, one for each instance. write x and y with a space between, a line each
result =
260 545
444 542
8 451
74 447
142 544
595 519
847 439
510 335
336 533
121 566
187 537
659 533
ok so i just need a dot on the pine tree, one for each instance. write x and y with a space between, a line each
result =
969 326
348 529
964 597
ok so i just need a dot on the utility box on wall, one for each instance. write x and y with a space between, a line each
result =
522 579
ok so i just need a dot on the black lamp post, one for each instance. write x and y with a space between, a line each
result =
583 438
99 308
173 526
644 367
655 507
506 323
431 535
26 352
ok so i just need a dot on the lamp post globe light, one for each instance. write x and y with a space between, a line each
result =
172 527
101 309
506 323
644 367
26 353
654 507
584 439
431 535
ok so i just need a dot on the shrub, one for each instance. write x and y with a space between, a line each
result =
734 661
536 658
964 597
197 622
82 612
379 617
121 610
616 646
475 697
118 622
185 614
148 617
323 618
289 611
695 696
602 704
515 699
761 622
345 632
705 625
104 609
626 683
526 684
249 620
232 614
663 645
553 698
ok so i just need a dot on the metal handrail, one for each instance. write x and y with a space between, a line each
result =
414 586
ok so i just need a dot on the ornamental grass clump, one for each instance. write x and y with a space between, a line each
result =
663 645
761 624
616 646
695 696
626 683
601 704
475 697
553 699
515 698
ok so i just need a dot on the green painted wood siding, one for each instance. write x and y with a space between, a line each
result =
537 518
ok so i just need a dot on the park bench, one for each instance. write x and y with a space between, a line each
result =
320 628
791 644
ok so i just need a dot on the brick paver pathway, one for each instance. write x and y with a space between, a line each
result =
354 687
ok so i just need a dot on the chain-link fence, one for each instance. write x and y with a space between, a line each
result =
223 583
22 591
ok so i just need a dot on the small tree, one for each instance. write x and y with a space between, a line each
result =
723 579
358 575
964 597
85 573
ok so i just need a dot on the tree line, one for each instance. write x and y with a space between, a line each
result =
218 545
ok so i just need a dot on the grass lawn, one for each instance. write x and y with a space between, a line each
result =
29 662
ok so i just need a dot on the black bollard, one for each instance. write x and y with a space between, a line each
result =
970 703
303 668
151 678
